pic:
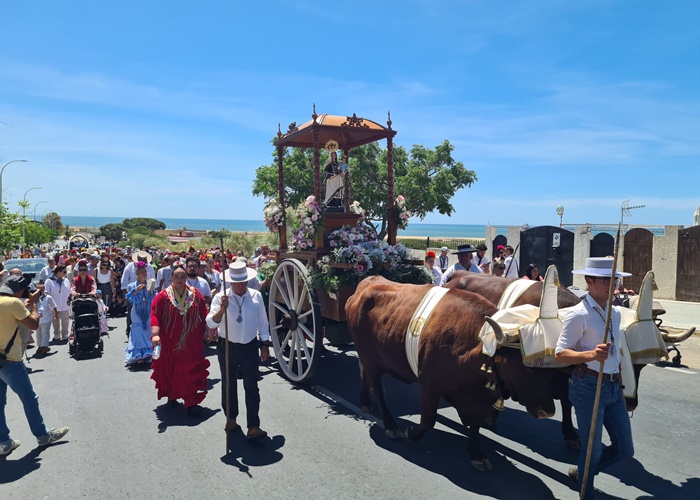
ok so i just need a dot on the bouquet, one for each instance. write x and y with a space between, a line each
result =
273 215
308 218
401 213
355 208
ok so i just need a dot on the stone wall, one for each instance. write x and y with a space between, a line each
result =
664 256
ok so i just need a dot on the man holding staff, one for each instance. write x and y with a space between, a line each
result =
581 344
246 320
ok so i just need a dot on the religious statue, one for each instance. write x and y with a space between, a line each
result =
334 176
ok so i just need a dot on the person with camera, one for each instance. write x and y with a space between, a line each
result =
13 372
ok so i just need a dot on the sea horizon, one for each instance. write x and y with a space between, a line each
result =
258 226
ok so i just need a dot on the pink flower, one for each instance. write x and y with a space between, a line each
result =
314 217
361 268
400 199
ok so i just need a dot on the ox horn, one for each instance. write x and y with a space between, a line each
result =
678 337
497 331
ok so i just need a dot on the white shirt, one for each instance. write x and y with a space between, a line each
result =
45 307
583 329
60 293
165 274
457 267
45 273
201 285
513 272
478 261
253 314
435 273
129 275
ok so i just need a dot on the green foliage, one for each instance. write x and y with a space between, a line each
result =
38 234
53 221
112 232
10 228
152 224
155 241
67 231
427 178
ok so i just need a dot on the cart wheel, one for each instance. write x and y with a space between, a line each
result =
295 321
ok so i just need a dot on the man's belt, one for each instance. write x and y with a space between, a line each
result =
611 377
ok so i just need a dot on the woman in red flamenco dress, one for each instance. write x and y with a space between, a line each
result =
178 325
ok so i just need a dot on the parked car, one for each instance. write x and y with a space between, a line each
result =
29 267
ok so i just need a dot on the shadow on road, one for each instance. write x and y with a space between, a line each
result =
633 473
13 470
177 416
244 454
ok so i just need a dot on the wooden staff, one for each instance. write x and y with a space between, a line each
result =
227 381
596 403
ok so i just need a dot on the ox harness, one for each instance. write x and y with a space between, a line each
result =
418 321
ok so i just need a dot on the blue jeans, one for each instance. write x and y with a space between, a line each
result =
14 374
612 413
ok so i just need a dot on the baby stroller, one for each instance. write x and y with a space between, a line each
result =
85 331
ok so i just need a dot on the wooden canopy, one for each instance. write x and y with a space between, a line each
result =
348 132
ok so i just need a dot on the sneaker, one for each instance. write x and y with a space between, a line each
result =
54 435
573 473
7 447
255 433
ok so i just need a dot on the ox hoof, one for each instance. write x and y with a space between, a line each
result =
367 409
573 444
394 434
414 433
482 465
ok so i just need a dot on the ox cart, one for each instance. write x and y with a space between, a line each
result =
300 314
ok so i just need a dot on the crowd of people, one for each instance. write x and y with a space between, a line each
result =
474 259
174 303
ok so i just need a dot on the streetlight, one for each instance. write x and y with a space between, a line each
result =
560 213
44 213
24 214
2 170
39 203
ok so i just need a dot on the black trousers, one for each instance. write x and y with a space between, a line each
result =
247 358
128 318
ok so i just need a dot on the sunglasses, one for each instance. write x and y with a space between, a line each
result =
82 270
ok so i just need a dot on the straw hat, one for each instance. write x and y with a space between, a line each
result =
600 267
141 255
238 272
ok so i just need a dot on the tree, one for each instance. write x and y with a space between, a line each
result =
10 228
37 233
152 224
427 178
112 232
53 221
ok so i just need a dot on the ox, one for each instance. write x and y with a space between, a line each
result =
449 358
491 288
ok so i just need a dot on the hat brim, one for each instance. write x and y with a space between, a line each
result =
142 254
600 273
239 278
7 290
463 251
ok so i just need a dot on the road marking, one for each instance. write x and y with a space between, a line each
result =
337 399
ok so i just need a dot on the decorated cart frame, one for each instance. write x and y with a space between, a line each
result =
300 315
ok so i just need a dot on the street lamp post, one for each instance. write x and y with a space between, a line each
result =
2 170
24 214
39 203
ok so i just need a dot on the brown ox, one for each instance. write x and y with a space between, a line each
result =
491 288
450 358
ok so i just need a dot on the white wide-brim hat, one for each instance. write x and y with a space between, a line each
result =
143 255
600 267
238 272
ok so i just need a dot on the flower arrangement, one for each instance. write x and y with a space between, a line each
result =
355 208
349 235
401 213
273 215
308 218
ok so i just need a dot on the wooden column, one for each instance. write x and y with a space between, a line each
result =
391 233
346 183
280 194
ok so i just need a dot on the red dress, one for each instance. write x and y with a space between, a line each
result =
181 371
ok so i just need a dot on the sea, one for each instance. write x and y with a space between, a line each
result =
238 225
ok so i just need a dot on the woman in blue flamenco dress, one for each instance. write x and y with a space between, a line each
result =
139 350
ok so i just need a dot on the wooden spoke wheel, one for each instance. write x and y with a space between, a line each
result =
295 321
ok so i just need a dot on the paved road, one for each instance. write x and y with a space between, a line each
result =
124 443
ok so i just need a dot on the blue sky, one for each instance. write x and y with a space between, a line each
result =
165 109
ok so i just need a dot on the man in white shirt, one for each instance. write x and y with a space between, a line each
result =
58 287
480 260
246 321
581 343
464 263
47 271
193 279
444 259
264 251
512 268
164 277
